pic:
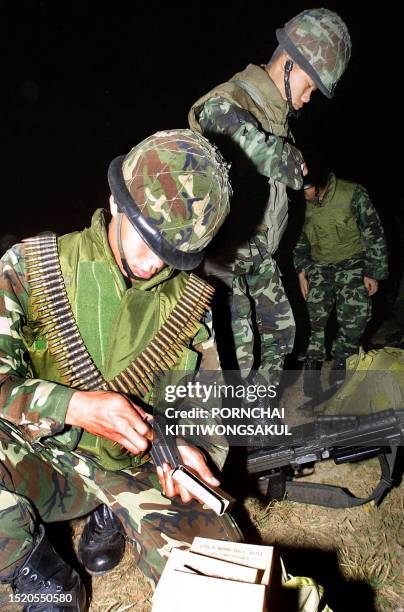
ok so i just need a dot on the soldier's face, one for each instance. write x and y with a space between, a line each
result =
143 262
301 87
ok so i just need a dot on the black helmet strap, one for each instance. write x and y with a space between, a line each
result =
122 255
286 78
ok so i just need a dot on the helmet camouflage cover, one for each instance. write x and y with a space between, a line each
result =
175 190
318 41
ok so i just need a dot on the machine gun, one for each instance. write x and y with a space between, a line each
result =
341 438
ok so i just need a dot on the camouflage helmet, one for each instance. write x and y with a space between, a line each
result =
319 42
174 188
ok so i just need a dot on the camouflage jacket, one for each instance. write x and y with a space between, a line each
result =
272 156
375 259
36 407
249 110
247 118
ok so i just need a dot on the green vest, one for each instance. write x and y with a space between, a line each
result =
115 323
254 91
331 227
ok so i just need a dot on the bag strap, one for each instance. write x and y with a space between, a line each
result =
337 497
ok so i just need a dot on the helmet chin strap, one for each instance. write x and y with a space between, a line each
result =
286 77
124 261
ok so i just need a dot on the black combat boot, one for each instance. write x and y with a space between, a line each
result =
338 372
311 377
102 544
45 583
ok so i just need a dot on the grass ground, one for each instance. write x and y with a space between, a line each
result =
357 554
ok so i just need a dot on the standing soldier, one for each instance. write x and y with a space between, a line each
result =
247 117
340 257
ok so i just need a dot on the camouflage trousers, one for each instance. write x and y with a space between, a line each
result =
341 285
49 485
259 302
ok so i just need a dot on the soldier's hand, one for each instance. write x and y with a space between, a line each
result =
304 284
303 166
371 285
195 461
112 416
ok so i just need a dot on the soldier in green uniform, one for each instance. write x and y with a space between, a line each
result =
247 117
86 315
340 256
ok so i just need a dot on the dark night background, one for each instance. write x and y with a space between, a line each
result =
82 82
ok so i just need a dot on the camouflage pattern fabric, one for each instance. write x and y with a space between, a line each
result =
36 406
179 182
40 475
372 234
371 229
319 42
257 296
66 486
69 487
340 284
272 156
257 288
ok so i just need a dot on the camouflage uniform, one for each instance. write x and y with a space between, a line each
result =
335 279
247 118
43 473
67 485
258 292
233 120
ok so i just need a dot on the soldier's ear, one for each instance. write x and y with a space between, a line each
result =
112 206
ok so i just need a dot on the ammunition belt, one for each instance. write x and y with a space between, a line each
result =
75 364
